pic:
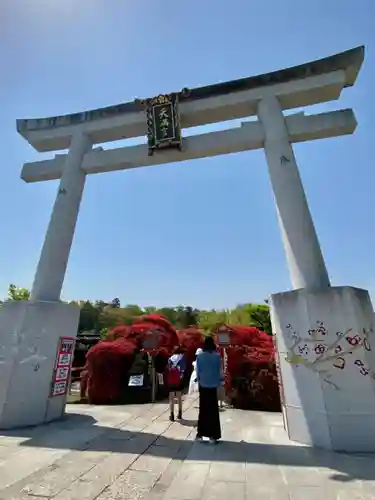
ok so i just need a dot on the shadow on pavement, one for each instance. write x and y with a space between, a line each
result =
81 432
187 422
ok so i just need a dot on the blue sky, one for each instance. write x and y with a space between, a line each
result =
203 232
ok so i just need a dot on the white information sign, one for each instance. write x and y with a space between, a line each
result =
136 381
59 388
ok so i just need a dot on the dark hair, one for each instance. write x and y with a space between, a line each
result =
209 344
178 350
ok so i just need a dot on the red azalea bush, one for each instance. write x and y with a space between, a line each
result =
122 331
107 365
190 339
158 321
109 361
251 379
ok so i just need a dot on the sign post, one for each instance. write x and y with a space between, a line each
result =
151 343
223 340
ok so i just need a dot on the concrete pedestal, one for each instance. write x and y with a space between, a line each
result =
29 338
326 345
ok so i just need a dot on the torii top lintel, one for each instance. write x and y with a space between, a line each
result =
202 105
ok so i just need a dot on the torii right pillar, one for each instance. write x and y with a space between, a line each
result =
324 335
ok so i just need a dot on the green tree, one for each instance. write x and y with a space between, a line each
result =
89 317
237 316
186 316
261 318
17 293
113 316
100 316
100 305
170 313
133 310
258 316
208 320
115 303
150 310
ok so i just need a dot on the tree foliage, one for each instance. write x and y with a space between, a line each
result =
101 316
93 318
16 293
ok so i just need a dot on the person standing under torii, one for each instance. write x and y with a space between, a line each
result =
175 379
210 377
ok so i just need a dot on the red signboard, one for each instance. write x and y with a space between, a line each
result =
63 366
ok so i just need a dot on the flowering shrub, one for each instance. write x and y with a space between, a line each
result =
108 362
190 339
107 365
121 331
158 321
251 379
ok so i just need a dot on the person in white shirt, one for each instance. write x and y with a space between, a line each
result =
193 384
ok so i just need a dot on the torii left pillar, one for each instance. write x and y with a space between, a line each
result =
30 331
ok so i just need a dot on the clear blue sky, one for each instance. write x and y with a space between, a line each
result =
204 232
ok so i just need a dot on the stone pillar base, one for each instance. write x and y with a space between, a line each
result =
29 338
326 345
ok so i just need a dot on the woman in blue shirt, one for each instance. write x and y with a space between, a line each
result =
210 376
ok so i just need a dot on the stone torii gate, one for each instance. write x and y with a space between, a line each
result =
324 334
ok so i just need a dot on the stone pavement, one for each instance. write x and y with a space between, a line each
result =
134 452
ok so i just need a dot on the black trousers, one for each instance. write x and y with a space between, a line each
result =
209 417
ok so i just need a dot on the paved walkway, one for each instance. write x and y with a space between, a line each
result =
134 452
